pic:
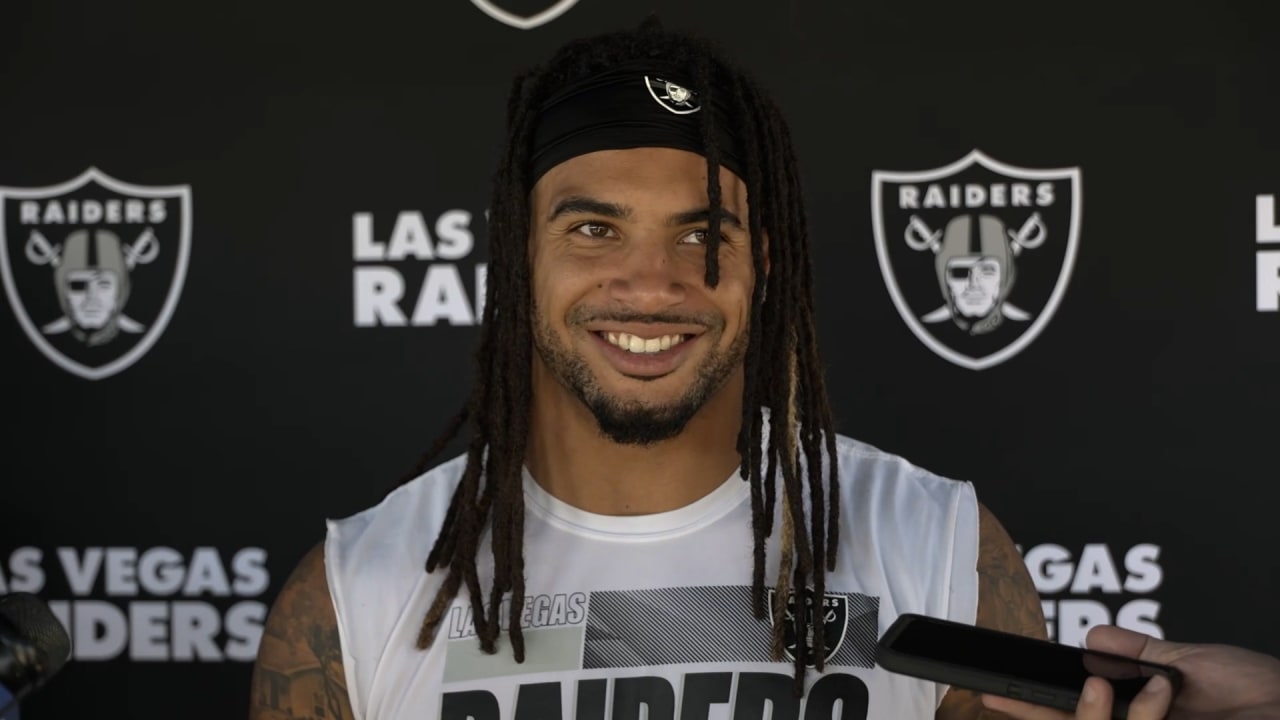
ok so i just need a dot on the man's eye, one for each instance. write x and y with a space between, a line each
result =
595 230
697 237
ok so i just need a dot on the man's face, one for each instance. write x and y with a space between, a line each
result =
92 295
622 317
975 284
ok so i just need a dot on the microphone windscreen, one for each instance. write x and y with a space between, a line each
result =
35 623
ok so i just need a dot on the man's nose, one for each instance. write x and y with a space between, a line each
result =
650 274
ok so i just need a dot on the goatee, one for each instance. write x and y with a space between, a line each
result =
633 422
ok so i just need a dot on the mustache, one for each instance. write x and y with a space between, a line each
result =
583 315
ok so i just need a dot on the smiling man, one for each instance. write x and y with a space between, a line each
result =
655 516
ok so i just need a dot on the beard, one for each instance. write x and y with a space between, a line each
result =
633 422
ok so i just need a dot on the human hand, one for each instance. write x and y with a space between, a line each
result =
1222 682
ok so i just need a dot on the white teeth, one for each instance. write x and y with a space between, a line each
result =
647 346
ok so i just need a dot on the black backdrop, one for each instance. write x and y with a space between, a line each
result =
159 497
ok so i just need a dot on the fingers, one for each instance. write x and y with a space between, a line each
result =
1119 641
1021 710
1150 704
1112 639
1154 700
1094 704
1095 700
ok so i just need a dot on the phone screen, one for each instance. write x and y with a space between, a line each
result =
1046 663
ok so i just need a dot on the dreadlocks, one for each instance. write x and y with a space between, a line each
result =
782 369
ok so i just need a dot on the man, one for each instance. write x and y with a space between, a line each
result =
654 516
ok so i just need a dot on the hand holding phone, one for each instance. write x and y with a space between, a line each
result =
1153 703
1013 666
1225 682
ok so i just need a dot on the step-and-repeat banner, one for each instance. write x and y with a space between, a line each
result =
243 260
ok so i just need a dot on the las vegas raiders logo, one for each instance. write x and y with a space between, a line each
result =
93 267
672 96
525 20
831 616
976 254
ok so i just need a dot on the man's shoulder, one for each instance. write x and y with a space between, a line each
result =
418 504
866 468
876 482
893 509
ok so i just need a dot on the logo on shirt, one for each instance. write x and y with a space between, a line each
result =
976 254
524 22
94 267
831 615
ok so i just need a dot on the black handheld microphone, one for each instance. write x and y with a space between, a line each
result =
33 647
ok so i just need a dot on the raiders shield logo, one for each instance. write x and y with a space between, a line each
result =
831 616
671 96
977 254
93 267
525 21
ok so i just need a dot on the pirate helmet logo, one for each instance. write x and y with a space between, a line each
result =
830 616
673 97
93 267
1002 241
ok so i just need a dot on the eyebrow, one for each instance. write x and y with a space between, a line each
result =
578 204
691 217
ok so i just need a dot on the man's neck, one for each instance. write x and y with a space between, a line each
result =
569 457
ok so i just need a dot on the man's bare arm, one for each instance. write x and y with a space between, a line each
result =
1007 601
299 671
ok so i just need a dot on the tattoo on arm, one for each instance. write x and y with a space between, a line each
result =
299 672
325 646
1007 601
1007 598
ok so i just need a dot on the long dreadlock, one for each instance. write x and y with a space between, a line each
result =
782 366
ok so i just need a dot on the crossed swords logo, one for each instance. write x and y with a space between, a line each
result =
829 616
920 237
40 251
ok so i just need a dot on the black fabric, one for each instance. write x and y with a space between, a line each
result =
617 110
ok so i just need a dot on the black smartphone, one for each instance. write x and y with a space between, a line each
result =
998 663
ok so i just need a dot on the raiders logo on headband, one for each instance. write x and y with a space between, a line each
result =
676 98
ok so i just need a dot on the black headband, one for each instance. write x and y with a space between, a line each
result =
629 108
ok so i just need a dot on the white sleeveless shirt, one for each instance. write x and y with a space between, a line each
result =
630 617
